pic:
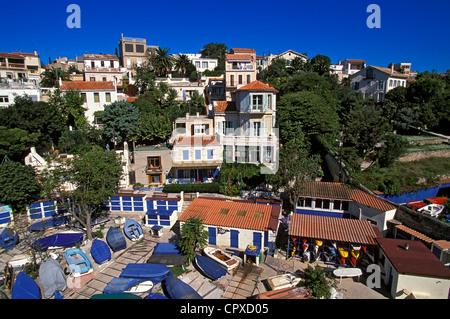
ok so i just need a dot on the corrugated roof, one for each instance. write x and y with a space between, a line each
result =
331 228
225 213
416 260
83 85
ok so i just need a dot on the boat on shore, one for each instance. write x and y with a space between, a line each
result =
133 230
283 281
8 238
116 239
210 267
78 262
178 289
433 210
226 260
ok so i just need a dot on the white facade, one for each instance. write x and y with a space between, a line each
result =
8 91
202 64
101 68
351 66
374 82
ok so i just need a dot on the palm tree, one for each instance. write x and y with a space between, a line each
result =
161 61
182 63
50 77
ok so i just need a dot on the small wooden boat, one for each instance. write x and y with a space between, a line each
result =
20 260
8 238
78 262
226 260
433 210
133 230
100 251
283 281
59 240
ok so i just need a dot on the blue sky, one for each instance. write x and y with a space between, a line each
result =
411 31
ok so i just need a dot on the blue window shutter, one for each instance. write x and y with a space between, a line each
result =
198 154
210 154
184 95
185 155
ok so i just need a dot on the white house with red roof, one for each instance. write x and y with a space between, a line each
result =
96 95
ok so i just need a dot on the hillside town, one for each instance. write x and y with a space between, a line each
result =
222 174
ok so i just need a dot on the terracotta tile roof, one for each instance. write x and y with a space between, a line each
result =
355 61
334 229
83 85
343 192
242 50
370 200
415 233
233 214
11 55
256 86
238 57
100 56
416 260
195 140
225 106
443 244
389 71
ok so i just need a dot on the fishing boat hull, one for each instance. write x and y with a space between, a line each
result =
133 230
100 251
224 259
60 240
78 262
141 288
8 238
25 288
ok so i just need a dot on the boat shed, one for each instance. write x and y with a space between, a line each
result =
324 236
237 223
412 270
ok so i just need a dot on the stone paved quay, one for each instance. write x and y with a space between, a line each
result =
245 282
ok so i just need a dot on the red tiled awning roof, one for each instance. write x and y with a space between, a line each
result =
334 229
233 214
225 106
370 200
238 57
82 85
256 86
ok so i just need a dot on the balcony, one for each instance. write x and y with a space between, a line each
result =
153 169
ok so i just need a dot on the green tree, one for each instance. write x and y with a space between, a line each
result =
319 281
18 185
50 77
152 129
194 237
16 143
95 176
392 149
215 51
321 64
70 105
120 120
144 77
183 64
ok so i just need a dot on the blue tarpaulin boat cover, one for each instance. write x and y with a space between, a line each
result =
25 288
51 277
119 285
116 239
8 238
154 272
155 296
58 240
100 251
178 289
166 248
211 268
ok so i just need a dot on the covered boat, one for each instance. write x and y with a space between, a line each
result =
178 289
25 288
146 271
116 239
121 285
54 221
167 254
100 251
60 240
8 238
78 262
133 230
283 281
226 260
51 277
210 268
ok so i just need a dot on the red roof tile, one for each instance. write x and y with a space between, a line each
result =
415 233
256 86
334 229
370 200
238 57
416 260
240 214
225 106
82 85
242 50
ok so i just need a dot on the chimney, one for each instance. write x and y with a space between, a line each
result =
392 68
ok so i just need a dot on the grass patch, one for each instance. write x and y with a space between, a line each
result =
404 176
427 148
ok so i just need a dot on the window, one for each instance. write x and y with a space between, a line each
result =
369 74
355 85
102 63
267 154
108 97
210 154
153 161
241 213
92 64
256 128
240 79
199 129
269 101
204 65
185 155
228 127
259 214
231 80
257 102
104 79
155 178
390 82
140 48
380 85
83 95
4 99
128 47
96 97
198 154
111 64
92 79
248 78
197 64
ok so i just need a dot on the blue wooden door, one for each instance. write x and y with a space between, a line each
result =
212 235
257 239
234 238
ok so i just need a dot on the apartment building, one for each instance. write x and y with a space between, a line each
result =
101 68
240 69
